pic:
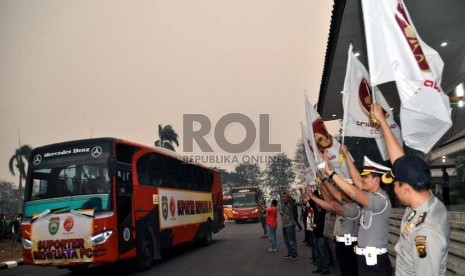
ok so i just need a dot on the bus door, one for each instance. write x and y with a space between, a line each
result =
124 192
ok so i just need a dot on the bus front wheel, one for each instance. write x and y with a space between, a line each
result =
145 255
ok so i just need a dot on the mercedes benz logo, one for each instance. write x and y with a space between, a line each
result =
96 151
37 159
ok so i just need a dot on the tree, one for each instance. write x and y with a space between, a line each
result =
229 180
279 174
8 198
167 137
250 174
18 163
301 166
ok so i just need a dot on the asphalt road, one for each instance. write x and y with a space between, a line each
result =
237 250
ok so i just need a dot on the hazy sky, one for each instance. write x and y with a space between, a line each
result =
75 69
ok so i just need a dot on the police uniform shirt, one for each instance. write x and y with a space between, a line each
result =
374 221
348 224
424 240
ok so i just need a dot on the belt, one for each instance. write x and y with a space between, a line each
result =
365 251
348 239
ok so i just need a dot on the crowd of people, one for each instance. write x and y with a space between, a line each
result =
361 210
10 229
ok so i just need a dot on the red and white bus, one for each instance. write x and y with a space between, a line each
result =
227 207
245 203
104 200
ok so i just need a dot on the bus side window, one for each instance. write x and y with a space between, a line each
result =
170 173
157 170
187 171
142 170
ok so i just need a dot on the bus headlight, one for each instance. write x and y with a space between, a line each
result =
255 211
27 244
101 238
235 212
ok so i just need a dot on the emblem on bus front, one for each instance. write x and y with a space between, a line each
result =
53 225
68 224
126 234
37 159
172 207
164 207
96 151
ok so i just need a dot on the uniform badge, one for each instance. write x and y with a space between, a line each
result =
421 219
412 214
407 228
420 243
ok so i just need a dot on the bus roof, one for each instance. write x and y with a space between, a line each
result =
160 150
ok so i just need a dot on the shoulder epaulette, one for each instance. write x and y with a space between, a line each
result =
421 219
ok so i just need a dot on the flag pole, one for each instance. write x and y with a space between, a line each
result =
344 114
373 119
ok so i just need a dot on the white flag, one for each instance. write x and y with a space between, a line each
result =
396 52
311 115
308 151
324 141
389 54
356 101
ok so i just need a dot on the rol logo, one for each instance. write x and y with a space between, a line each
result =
53 225
164 207
68 224
172 207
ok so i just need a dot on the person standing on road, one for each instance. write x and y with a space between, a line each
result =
295 213
3 227
14 232
372 256
271 223
322 253
425 230
261 203
346 226
288 224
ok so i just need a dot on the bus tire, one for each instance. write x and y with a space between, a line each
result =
208 238
145 254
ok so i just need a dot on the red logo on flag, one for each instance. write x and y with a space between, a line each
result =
365 96
411 37
322 138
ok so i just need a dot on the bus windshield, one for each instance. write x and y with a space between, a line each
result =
244 200
72 186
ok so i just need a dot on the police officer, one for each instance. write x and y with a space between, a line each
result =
425 231
345 228
372 256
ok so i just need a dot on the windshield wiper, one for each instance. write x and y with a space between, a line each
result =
48 211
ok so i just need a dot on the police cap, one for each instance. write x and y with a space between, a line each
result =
412 170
